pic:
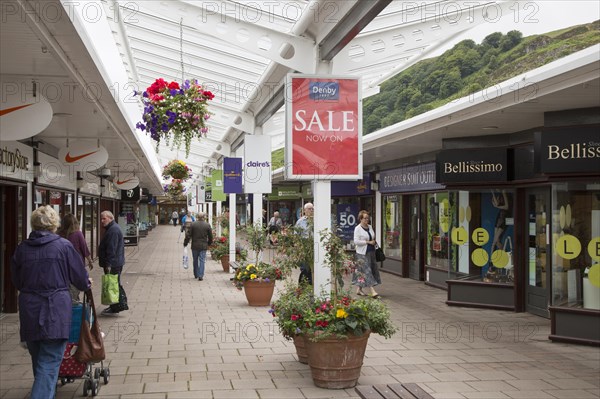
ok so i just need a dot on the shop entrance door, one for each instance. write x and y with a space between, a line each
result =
538 266
415 270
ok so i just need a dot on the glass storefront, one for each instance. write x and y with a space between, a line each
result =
439 218
575 227
471 233
392 226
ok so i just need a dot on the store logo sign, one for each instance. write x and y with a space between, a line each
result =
324 91
568 150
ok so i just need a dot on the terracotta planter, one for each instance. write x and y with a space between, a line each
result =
300 348
335 363
259 293
225 263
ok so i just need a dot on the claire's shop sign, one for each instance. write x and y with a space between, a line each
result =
416 177
568 150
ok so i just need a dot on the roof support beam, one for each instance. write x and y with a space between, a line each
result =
351 24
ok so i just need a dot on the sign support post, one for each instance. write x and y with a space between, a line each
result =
322 221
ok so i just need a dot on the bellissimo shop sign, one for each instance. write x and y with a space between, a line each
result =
16 161
409 178
476 165
568 150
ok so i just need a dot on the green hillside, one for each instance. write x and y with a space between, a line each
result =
467 68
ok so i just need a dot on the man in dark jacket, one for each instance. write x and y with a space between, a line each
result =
43 267
111 257
200 234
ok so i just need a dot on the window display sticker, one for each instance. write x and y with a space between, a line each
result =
459 235
500 258
568 247
480 236
479 257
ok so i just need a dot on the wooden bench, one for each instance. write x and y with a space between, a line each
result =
234 265
392 391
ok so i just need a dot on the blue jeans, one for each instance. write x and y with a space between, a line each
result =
199 257
46 357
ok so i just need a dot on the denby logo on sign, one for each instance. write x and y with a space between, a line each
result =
324 91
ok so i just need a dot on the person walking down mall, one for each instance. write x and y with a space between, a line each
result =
305 225
367 273
43 267
69 229
111 257
200 235
175 217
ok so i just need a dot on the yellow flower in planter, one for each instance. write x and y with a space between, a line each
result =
341 314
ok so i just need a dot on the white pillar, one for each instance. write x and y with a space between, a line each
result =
257 208
232 226
219 212
208 206
322 221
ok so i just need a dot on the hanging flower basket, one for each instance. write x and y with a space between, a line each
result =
177 169
174 189
174 113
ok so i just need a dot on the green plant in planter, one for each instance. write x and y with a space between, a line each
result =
294 249
257 271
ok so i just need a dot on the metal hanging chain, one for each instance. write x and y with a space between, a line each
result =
181 48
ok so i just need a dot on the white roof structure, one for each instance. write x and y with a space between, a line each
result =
242 51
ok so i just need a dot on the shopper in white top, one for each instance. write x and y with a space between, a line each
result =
366 274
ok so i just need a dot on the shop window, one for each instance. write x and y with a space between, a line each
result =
482 235
56 201
576 245
392 225
439 219
39 197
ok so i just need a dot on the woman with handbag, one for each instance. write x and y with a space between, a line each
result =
367 273
43 267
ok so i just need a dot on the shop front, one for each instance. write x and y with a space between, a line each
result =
564 225
411 198
480 220
525 229
16 178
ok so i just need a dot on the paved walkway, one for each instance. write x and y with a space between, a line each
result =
184 338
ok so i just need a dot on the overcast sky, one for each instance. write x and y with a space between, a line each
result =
534 17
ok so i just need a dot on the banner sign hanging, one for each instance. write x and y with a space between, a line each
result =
200 193
257 164
323 128
217 186
232 176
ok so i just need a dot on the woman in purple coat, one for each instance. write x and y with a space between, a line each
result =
43 267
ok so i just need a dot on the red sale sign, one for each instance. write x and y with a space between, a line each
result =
324 128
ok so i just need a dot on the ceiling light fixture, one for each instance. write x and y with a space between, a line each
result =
489 127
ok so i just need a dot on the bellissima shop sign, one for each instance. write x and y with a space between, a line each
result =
568 150
473 165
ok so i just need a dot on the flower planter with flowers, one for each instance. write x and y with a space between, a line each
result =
220 252
258 278
174 189
177 169
175 114
336 327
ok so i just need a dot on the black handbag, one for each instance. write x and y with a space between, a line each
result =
379 255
